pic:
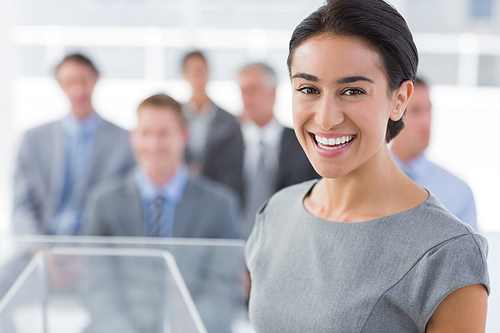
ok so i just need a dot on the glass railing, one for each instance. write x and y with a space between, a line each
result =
122 285
143 285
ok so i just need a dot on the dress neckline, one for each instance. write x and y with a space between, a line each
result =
310 185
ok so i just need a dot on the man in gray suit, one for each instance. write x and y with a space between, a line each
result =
158 198
60 161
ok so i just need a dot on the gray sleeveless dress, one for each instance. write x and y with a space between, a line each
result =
384 275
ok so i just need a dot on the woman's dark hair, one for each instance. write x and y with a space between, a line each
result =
379 25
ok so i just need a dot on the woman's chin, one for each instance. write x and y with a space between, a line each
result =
326 171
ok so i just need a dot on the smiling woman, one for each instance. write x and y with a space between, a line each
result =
347 96
364 249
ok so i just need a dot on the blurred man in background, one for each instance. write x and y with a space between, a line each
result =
214 133
272 157
159 198
59 162
408 152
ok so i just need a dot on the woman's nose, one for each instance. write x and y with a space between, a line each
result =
329 113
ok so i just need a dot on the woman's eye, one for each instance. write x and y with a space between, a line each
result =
353 91
308 90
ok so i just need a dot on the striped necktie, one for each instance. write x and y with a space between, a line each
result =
155 225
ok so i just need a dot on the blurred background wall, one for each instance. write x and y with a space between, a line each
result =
138 46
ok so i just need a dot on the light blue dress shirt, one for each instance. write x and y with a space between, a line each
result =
171 191
79 138
453 193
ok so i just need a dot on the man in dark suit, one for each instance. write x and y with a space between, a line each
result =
215 133
159 198
270 157
59 162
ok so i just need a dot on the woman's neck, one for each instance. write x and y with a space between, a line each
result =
377 188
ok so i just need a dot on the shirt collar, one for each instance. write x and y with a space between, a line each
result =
73 126
172 190
269 133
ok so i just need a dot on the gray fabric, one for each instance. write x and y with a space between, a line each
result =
40 170
207 210
259 187
383 275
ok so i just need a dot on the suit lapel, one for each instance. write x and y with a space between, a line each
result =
186 213
214 126
131 222
58 171
100 145
220 127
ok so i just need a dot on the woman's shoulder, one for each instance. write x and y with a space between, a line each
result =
433 274
425 227
442 237
432 216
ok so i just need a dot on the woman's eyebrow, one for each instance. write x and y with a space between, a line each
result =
344 80
351 79
305 76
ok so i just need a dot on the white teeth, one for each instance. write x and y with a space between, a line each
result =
333 143
324 141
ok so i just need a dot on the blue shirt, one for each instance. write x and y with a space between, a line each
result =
79 136
171 191
453 193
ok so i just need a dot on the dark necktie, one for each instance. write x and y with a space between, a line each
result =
156 217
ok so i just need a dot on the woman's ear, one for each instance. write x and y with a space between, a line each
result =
401 98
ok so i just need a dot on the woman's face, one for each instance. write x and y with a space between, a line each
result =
341 104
